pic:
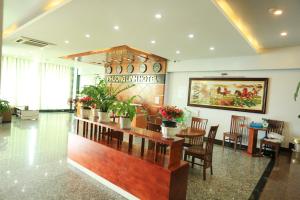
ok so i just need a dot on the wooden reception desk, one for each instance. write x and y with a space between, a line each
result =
144 173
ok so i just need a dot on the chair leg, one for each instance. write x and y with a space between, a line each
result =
260 148
185 156
193 161
211 170
241 142
235 141
223 141
204 172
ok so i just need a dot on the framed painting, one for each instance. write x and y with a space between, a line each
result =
240 94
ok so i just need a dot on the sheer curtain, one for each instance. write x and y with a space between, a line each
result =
37 85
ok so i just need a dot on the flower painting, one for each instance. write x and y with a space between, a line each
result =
241 94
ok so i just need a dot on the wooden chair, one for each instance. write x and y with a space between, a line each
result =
204 154
155 119
159 147
276 127
197 124
236 130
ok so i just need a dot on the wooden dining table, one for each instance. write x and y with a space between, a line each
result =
190 133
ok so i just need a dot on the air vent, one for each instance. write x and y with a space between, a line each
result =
32 42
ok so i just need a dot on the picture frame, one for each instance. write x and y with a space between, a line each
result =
237 94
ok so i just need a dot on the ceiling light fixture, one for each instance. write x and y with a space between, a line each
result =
53 4
87 35
283 34
177 52
116 27
158 16
67 41
191 36
153 41
211 48
275 12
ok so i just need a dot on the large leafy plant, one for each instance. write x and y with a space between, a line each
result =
104 95
124 108
4 106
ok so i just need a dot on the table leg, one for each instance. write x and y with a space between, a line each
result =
252 141
143 147
130 143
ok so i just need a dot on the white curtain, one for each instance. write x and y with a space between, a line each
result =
34 84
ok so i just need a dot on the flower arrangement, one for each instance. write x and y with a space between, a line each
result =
87 102
297 93
171 115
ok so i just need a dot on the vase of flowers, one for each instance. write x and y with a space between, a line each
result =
296 94
170 116
86 104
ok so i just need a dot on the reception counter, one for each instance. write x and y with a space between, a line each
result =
145 173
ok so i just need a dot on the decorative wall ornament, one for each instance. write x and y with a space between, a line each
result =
130 68
143 68
241 94
157 67
119 69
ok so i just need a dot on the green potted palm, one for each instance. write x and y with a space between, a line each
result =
125 110
104 96
4 107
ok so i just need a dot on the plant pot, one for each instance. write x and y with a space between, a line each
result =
169 132
104 117
94 113
125 123
85 113
1 119
169 123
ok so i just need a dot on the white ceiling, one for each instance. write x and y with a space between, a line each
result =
138 26
267 27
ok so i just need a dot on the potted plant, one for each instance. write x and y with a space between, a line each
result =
170 116
4 107
86 104
104 96
125 110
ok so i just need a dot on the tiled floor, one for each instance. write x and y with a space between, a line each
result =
33 166
284 180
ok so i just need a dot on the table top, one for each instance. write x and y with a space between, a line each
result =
139 132
190 132
260 129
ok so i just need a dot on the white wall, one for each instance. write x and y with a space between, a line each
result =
282 58
280 104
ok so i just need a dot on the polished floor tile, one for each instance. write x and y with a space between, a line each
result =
33 165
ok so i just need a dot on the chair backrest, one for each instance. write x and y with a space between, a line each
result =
210 143
153 127
275 126
237 124
155 119
198 123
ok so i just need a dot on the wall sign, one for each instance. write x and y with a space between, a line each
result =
136 78
241 94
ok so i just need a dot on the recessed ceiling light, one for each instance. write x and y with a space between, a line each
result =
211 48
116 27
191 35
153 41
283 34
177 52
87 35
158 16
67 41
275 12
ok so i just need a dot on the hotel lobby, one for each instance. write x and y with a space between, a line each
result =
150 100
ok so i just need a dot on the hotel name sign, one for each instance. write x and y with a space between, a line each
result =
136 78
